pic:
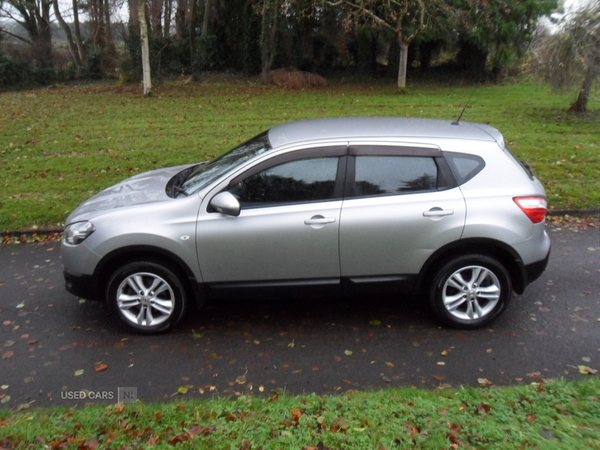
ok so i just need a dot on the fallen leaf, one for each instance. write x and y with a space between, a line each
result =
439 377
20 305
389 364
79 372
484 382
100 367
585 370
374 322
347 352
182 390
8 355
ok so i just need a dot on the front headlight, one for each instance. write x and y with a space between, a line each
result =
78 232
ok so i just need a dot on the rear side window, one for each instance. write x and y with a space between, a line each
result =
463 166
387 175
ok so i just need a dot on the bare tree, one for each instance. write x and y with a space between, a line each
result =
569 54
270 15
34 17
404 18
147 80
74 41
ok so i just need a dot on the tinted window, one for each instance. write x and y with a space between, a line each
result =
306 180
464 167
384 175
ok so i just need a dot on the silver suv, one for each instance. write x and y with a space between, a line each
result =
323 207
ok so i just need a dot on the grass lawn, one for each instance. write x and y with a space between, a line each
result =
554 415
60 145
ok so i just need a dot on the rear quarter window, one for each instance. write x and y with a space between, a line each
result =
464 166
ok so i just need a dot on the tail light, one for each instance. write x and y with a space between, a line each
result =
534 207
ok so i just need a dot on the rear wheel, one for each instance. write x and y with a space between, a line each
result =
147 297
470 291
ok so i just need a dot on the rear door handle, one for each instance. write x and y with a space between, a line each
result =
438 212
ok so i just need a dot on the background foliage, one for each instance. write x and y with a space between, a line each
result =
60 145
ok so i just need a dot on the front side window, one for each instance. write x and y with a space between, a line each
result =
307 180
388 175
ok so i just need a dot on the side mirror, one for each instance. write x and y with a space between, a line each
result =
226 203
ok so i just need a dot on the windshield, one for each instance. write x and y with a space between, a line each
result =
207 173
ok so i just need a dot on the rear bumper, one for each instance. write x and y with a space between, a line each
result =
81 286
534 270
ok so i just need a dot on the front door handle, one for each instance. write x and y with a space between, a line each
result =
319 220
438 212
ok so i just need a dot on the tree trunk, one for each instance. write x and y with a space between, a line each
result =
206 18
134 12
69 36
77 28
267 38
145 48
403 65
43 41
167 18
580 104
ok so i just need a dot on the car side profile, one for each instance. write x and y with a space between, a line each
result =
326 207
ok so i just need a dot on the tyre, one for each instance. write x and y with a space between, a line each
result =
146 297
470 291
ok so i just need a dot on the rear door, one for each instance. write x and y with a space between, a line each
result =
401 204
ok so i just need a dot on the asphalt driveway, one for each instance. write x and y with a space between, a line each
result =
54 346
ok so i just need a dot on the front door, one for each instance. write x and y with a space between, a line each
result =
287 233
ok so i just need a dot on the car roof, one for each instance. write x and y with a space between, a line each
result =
379 127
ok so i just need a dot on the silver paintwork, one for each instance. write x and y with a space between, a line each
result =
342 238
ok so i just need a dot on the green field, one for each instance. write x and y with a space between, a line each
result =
555 415
60 145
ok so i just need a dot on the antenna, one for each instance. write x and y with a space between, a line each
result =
465 107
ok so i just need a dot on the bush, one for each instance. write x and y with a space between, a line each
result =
12 73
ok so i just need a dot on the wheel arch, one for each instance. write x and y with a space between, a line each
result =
506 255
124 255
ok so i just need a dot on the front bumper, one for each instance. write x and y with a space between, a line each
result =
82 286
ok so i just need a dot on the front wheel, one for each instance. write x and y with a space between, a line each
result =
147 297
470 291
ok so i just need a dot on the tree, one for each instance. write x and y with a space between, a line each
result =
147 80
74 41
571 54
404 18
34 17
498 31
270 16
